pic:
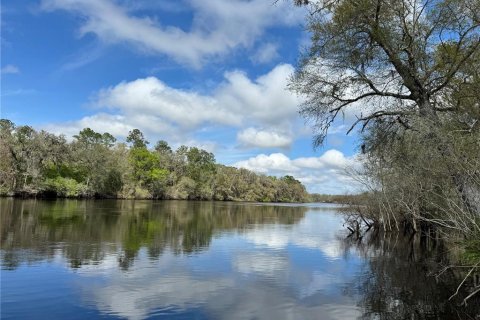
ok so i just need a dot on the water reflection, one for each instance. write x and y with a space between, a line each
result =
209 260
85 231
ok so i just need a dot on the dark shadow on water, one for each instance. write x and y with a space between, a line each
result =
403 282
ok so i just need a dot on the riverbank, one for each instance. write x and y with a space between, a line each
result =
53 195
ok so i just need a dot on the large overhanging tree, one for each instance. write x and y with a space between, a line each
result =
390 60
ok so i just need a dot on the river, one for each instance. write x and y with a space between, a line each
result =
120 259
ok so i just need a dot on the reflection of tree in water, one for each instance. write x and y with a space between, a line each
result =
86 231
400 282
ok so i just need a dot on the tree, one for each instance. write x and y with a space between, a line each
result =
390 59
146 170
165 154
408 69
137 139
92 159
89 137
28 157
201 169
162 147
7 157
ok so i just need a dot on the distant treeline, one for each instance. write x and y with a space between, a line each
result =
336 198
39 163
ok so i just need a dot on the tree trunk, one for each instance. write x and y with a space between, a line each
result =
426 109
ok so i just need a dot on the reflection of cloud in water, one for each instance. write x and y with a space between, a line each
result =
136 297
317 282
104 266
280 272
259 301
278 288
273 236
317 231
150 286
260 263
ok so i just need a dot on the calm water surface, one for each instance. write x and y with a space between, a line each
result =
72 259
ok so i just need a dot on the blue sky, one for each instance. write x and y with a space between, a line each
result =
206 73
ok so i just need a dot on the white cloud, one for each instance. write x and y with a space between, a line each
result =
217 27
325 174
10 69
117 125
176 114
275 162
330 159
151 96
266 99
207 145
252 137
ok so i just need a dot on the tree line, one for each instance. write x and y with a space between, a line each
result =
93 164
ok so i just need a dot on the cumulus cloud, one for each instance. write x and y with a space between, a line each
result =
175 114
95 122
252 137
10 69
332 159
275 162
266 99
327 173
152 96
217 27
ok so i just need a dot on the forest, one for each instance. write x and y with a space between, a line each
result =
95 165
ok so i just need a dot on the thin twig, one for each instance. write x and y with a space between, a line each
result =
470 295
463 281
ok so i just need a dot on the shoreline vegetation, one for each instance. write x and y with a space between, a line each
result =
94 165
347 200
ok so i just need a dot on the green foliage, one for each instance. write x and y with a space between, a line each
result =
163 147
89 137
471 255
146 171
113 182
65 187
